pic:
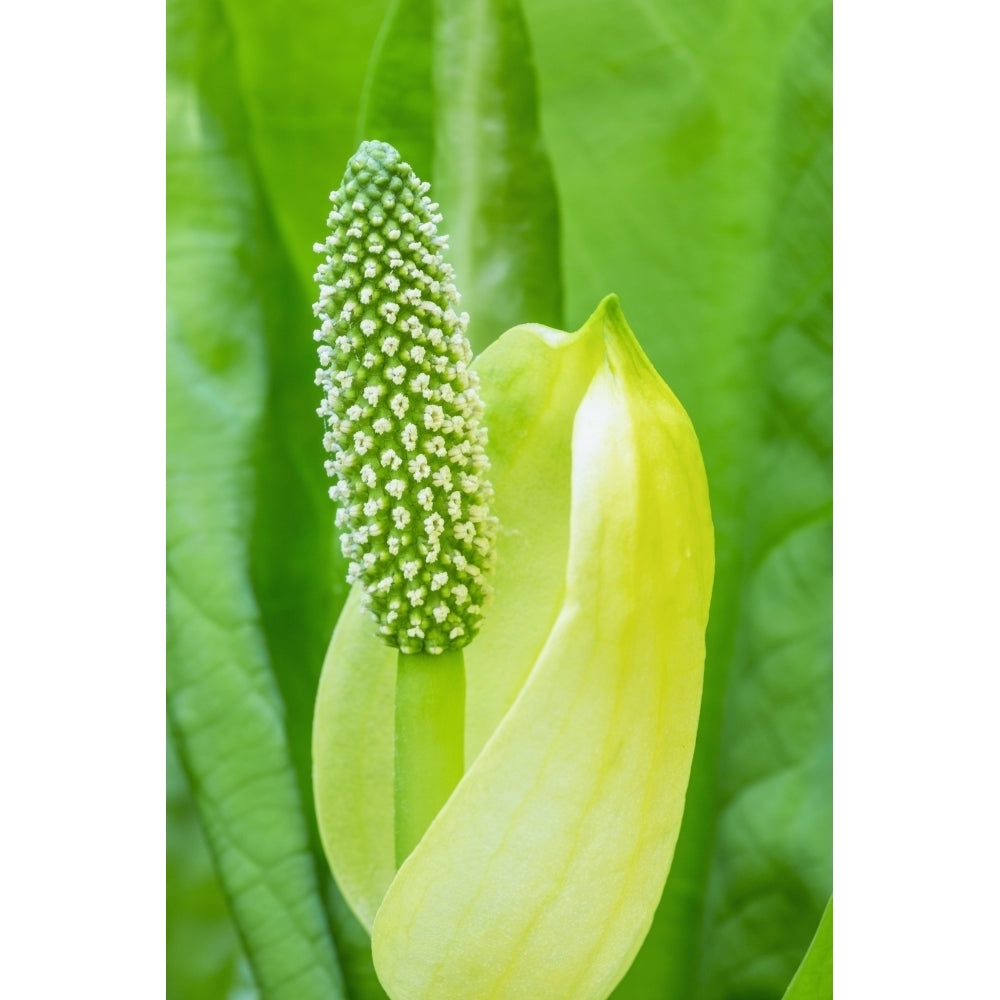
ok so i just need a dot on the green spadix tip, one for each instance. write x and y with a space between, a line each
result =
402 410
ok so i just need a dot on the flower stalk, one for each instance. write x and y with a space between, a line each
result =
430 740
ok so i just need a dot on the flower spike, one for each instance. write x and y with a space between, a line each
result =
402 411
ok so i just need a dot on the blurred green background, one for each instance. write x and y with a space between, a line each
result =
676 152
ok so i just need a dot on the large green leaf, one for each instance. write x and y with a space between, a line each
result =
814 978
299 69
397 103
202 948
235 733
492 175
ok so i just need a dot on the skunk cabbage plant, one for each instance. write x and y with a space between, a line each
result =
529 536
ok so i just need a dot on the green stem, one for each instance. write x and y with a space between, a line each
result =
430 740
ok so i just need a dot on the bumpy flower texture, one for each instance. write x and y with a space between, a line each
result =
402 410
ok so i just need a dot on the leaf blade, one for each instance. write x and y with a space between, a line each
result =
491 172
225 709
300 70
814 978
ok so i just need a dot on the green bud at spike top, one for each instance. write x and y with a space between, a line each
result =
402 411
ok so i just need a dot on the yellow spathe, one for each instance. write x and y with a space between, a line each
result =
540 876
